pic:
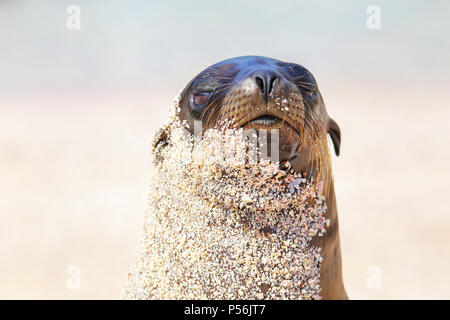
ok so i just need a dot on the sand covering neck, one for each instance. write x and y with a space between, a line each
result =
223 228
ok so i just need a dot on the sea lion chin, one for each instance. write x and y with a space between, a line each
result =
213 211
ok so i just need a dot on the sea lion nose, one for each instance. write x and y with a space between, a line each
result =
265 80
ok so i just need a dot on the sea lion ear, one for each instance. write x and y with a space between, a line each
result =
335 134
160 141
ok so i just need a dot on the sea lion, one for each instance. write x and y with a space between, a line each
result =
221 228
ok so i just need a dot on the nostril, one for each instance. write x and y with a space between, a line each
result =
260 84
266 80
271 81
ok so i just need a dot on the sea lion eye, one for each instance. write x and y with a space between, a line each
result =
199 99
309 93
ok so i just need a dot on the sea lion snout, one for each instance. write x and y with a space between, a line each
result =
265 101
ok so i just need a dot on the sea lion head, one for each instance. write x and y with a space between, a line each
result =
255 93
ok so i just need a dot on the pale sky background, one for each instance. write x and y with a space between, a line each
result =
78 109
142 44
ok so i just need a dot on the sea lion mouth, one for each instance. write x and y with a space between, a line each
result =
266 120
278 129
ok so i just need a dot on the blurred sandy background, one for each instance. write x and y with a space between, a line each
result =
78 109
